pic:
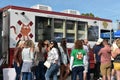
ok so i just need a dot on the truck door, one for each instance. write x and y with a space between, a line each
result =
5 35
0 34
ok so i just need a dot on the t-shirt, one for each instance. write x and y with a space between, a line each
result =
96 49
105 54
78 55
27 55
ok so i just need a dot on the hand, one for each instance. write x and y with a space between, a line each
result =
18 64
70 68
95 60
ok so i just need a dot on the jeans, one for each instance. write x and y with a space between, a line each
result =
40 71
18 70
52 71
97 70
26 75
88 73
77 71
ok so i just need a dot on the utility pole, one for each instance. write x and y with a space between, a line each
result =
118 25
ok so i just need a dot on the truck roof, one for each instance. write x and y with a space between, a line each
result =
52 12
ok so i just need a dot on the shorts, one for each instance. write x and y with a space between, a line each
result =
116 65
105 69
85 68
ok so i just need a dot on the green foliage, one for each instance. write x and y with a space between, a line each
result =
88 14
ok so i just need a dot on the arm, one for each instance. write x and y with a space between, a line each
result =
95 57
85 57
71 62
32 53
15 55
115 53
36 51
85 60
35 57
94 54
62 56
100 52
55 54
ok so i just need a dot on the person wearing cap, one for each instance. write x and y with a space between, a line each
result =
96 49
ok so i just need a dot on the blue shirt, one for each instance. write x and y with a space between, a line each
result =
96 49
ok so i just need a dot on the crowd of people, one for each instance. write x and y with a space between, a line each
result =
47 59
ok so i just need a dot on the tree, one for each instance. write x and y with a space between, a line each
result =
88 14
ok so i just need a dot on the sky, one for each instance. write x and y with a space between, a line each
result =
108 9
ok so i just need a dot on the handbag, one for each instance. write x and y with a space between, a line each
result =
33 68
47 64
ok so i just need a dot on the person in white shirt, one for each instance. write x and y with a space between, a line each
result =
86 60
27 57
53 59
113 48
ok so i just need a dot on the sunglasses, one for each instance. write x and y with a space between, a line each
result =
45 44
51 43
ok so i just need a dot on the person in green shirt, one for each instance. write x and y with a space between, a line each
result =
77 60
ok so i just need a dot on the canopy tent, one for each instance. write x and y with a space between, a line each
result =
105 35
117 34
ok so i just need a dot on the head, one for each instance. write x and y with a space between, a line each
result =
118 43
82 41
78 44
40 43
29 43
46 43
63 42
99 41
85 41
20 43
53 43
105 42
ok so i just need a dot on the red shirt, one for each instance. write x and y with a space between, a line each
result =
105 54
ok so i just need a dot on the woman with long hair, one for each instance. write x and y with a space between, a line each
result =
27 57
46 46
64 66
53 59
116 56
77 60
18 58
39 61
